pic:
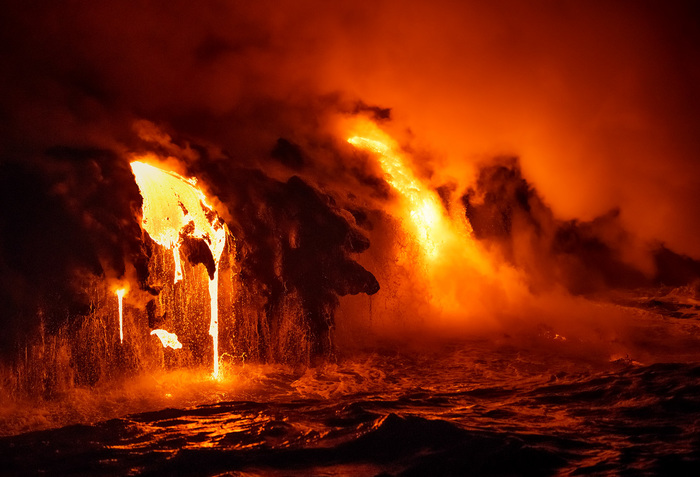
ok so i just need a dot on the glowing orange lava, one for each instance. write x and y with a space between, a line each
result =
173 208
451 256
120 297
424 205
169 340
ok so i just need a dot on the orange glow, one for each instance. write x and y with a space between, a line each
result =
120 297
169 340
425 212
459 277
171 204
173 207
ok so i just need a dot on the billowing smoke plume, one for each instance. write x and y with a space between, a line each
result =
586 257
599 101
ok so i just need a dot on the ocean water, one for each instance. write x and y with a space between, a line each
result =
469 407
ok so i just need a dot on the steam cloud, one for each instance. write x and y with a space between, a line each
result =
585 257
600 102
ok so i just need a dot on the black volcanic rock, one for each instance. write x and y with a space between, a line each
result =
196 251
288 154
293 240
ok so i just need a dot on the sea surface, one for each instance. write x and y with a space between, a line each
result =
464 407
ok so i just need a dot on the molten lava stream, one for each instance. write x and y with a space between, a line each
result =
214 323
424 208
447 249
175 209
120 297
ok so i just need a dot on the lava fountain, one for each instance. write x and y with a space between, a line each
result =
174 210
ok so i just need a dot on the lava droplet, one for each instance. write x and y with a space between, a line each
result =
169 340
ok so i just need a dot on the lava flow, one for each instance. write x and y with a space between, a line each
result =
443 236
120 297
174 209
388 238
425 212
167 339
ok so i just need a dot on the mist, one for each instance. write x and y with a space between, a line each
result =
597 101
